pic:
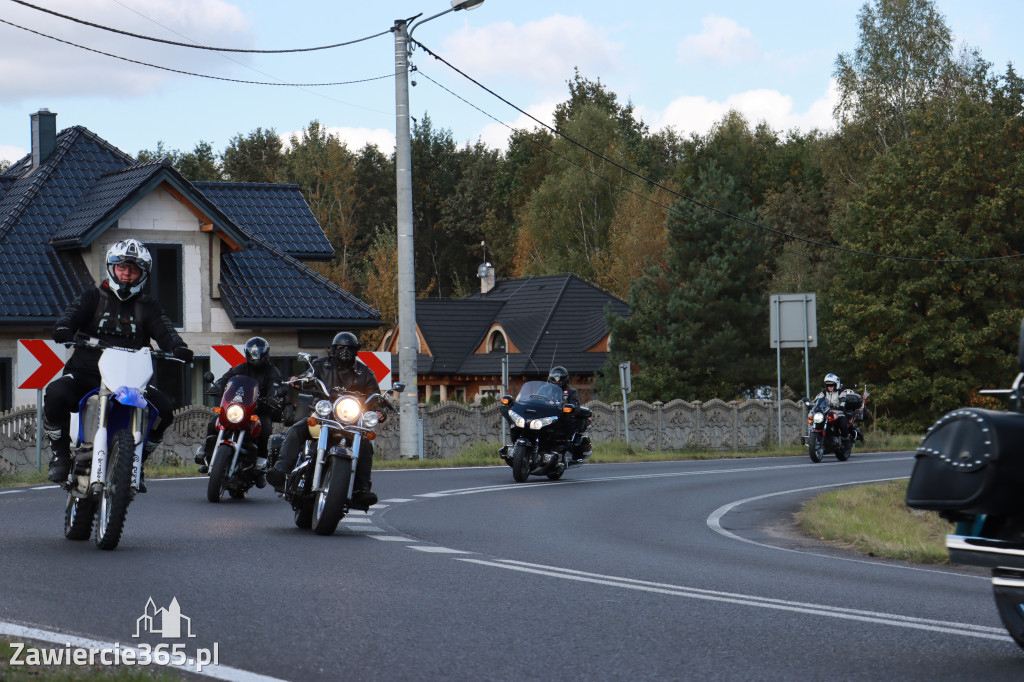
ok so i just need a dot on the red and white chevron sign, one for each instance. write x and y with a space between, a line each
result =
39 362
380 364
223 358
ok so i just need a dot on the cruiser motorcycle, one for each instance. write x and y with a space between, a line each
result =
109 432
235 466
823 436
970 468
320 486
539 426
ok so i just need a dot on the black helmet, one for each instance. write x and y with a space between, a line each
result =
559 375
257 351
344 348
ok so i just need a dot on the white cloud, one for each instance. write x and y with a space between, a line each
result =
543 51
722 40
37 65
495 135
698 114
11 153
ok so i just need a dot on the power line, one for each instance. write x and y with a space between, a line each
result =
190 73
192 45
680 195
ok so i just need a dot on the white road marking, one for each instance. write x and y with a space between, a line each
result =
438 550
61 639
896 620
392 538
714 522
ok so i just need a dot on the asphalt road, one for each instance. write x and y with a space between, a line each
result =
675 570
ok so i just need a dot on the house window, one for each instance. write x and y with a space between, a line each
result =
6 384
165 281
496 343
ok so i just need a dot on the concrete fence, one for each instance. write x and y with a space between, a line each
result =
449 427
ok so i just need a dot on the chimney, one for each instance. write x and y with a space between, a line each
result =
44 136
486 274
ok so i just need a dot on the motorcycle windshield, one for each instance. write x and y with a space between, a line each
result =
540 393
821 405
240 389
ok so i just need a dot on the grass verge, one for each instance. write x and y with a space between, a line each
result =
874 520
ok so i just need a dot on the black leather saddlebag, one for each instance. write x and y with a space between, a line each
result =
970 461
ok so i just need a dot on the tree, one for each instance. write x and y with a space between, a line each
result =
381 289
929 334
697 326
198 165
637 238
903 58
564 225
257 157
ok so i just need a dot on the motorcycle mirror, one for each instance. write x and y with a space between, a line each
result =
208 377
1020 348
398 387
304 357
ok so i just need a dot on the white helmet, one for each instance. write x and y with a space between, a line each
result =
833 379
128 251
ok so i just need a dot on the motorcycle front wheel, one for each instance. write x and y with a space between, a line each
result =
329 505
521 463
117 491
1010 604
815 446
78 518
218 472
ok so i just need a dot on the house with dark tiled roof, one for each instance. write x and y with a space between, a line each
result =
227 256
535 322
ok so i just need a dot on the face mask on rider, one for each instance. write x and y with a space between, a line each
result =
344 356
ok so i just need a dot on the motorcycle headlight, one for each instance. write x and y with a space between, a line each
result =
370 420
819 417
538 424
235 413
323 408
347 410
517 419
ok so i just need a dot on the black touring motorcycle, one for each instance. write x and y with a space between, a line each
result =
544 440
970 469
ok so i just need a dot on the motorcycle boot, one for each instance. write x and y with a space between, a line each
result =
147 450
60 446
362 497
287 458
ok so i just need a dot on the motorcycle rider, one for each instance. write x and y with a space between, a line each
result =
338 371
257 365
578 443
117 313
831 393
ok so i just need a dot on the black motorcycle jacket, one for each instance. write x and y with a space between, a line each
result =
269 377
133 323
359 379
570 396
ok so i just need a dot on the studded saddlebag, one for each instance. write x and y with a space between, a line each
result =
970 461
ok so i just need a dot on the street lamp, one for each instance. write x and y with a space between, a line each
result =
408 346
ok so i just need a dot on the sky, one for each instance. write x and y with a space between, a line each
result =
681 63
